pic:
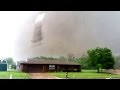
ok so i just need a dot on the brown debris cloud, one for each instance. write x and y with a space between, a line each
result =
63 32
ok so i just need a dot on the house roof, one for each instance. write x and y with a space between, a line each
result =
59 62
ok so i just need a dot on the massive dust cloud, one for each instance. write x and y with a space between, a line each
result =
63 32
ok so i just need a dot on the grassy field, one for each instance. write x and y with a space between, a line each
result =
15 75
85 74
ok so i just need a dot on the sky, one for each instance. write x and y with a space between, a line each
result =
62 32
11 22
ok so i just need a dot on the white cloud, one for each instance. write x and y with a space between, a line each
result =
10 24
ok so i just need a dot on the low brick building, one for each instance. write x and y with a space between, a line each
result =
38 66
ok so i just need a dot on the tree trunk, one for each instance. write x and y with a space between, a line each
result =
98 70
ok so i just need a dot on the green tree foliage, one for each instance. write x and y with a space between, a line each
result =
117 62
99 67
10 61
62 58
83 60
13 66
70 57
101 57
36 57
48 58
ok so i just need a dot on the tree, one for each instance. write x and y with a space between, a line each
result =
36 57
13 66
10 61
83 60
117 62
101 58
62 58
70 56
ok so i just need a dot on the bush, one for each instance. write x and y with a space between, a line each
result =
13 66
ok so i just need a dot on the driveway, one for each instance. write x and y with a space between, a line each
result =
42 76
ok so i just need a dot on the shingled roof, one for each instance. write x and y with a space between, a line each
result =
59 62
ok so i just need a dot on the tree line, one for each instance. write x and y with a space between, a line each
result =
96 58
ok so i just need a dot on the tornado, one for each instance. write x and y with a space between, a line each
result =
57 33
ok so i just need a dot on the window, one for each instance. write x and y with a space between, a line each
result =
51 67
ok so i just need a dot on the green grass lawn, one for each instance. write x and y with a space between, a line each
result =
15 75
85 74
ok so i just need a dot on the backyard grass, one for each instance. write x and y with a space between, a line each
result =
85 74
15 75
